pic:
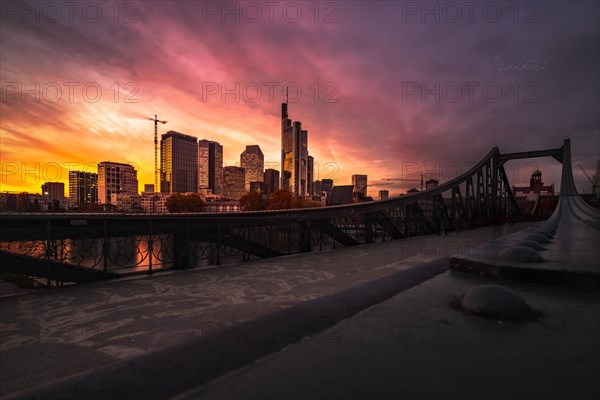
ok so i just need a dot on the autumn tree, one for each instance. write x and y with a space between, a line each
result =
11 203
252 201
178 203
284 200
55 206
23 203
299 202
281 200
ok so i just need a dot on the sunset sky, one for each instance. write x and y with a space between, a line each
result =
363 69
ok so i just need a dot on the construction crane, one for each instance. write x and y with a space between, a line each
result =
409 180
592 181
156 170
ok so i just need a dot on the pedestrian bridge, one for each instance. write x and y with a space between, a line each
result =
87 247
344 315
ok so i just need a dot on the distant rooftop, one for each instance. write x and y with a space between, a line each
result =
341 195
254 148
179 135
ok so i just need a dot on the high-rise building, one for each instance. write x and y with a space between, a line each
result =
178 163
327 186
317 188
234 182
253 161
360 184
149 188
271 180
384 194
258 187
294 155
53 191
116 178
83 188
210 167
310 175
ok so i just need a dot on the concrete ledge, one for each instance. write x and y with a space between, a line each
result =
583 280
567 244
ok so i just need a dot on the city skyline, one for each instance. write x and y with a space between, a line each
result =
373 122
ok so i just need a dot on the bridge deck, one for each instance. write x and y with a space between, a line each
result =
417 346
65 331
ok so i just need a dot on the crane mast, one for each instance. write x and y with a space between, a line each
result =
156 169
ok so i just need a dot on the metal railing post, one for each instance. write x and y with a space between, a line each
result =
219 241
105 250
48 253
150 247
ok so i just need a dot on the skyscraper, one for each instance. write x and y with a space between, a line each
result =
234 185
272 180
83 188
116 178
253 161
178 163
360 184
210 166
294 155
53 191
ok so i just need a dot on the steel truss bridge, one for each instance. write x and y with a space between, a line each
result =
87 247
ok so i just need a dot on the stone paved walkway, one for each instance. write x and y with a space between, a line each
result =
47 336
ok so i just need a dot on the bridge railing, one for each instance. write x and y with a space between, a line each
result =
79 247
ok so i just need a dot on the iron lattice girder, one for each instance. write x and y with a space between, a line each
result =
416 222
513 202
336 233
557 154
470 199
386 224
458 208
248 246
441 219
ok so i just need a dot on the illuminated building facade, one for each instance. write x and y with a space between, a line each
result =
294 155
83 188
253 162
234 182
210 167
178 163
116 178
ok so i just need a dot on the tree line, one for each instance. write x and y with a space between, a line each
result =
177 203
